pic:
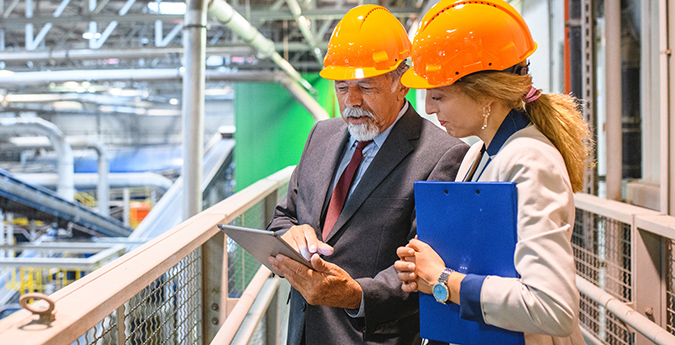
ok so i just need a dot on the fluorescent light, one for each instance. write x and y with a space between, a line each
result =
168 7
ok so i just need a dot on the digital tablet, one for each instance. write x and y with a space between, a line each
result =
262 244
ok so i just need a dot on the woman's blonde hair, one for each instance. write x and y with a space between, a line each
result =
557 116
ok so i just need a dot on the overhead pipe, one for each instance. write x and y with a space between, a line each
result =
303 25
65 165
304 98
90 180
87 54
307 101
265 47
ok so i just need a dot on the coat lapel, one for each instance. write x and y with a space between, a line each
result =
393 151
333 148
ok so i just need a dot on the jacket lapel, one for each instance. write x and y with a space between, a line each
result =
333 148
393 151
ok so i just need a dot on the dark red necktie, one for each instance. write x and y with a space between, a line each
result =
337 199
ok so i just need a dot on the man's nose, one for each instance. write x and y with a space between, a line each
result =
354 98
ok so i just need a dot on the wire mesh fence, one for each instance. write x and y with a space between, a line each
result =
670 286
167 311
602 250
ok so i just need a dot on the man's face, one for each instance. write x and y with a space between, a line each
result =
369 105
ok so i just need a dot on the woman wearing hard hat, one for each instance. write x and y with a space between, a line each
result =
471 56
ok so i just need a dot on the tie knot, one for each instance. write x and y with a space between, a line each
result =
361 144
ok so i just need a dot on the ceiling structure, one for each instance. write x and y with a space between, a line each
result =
54 53
39 35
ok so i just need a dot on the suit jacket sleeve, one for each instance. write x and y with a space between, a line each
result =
386 305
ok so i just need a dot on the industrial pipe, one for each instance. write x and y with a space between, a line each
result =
303 25
90 180
304 98
265 47
102 186
65 166
194 42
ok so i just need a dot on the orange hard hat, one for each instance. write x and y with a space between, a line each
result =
367 42
457 37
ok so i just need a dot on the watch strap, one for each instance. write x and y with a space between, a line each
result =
443 278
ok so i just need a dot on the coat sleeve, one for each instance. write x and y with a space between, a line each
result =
545 299
386 305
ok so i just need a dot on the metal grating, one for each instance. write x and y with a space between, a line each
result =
168 311
670 288
602 251
243 266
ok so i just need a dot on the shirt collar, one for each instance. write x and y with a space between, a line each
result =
380 138
514 121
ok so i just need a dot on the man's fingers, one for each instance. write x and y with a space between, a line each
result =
319 264
416 244
404 266
409 286
404 252
325 249
311 239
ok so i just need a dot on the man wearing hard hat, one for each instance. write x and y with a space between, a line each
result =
350 200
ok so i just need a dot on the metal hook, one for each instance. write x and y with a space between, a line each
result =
46 315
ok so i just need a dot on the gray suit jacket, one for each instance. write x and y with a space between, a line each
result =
377 218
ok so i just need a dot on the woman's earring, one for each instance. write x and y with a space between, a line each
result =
486 114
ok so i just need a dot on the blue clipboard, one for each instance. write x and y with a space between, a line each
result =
473 227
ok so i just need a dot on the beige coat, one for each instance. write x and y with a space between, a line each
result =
544 302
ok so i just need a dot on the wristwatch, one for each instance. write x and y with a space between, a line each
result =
440 291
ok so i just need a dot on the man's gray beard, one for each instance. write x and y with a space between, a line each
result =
361 131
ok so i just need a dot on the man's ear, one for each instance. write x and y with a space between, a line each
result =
403 90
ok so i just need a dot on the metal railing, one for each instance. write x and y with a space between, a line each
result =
624 272
178 288
191 285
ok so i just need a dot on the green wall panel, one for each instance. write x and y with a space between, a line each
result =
272 127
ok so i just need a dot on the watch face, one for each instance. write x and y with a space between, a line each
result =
440 292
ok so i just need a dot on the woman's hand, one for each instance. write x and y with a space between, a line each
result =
428 265
406 269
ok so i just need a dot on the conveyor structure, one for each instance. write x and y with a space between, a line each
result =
37 202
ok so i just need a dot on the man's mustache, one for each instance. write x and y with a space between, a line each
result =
357 112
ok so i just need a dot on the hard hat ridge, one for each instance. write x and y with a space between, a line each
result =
368 41
459 37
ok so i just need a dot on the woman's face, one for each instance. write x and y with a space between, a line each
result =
459 114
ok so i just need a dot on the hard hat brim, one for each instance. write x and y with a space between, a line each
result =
414 81
352 73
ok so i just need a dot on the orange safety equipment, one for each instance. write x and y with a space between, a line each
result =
367 42
458 37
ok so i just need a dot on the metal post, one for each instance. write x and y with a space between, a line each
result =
194 42
126 200
613 98
214 285
667 177
2 233
121 325
10 233
587 81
